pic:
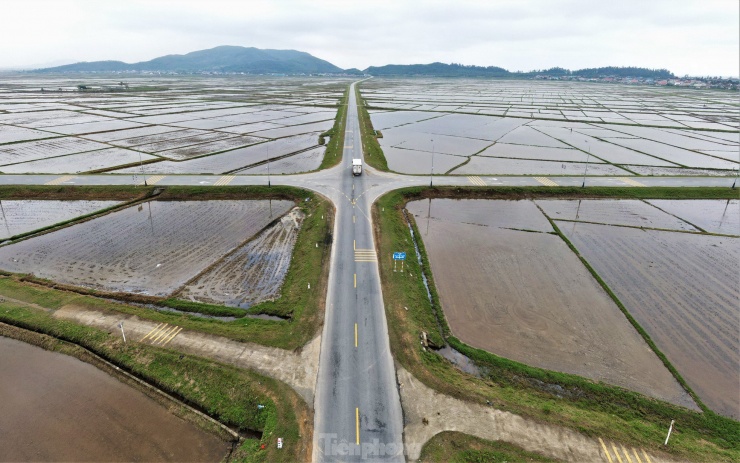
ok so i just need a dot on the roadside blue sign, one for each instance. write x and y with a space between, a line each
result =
399 256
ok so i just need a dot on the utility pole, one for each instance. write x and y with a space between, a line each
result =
587 159
431 174
268 164
141 165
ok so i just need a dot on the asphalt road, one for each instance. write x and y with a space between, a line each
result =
358 410
358 413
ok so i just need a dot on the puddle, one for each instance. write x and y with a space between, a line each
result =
461 361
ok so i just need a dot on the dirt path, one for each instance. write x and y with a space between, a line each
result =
297 369
444 413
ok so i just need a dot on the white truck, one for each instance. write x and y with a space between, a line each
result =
356 166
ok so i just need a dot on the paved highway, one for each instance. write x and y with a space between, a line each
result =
358 413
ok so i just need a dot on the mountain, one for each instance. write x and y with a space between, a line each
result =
257 61
220 59
438 70
459 70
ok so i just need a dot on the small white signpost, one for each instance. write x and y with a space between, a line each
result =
120 325
396 257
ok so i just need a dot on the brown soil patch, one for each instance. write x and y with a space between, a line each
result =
59 401
682 289
526 296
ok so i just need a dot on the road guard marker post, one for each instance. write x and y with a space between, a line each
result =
670 429
120 325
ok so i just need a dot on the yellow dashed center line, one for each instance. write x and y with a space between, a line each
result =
629 181
225 180
59 180
357 426
545 181
355 280
355 334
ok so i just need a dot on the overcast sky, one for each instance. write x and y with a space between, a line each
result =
685 36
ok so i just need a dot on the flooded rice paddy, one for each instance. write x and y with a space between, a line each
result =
154 248
550 125
713 216
661 258
254 272
509 285
174 125
683 289
26 215
58 408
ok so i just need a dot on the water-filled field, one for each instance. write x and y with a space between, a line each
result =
173 124
26 215
509 285
551 128
683 289
254 272
154 248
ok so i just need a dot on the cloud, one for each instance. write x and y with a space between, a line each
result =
695 37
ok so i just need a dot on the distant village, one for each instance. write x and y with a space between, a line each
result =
691 82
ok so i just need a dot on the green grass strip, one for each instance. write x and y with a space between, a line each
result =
373 152
335 148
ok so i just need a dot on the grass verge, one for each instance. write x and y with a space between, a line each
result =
228 394
301 308
373 152
335 148
595 409
456 447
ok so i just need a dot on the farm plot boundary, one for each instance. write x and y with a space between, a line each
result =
589 407
301 311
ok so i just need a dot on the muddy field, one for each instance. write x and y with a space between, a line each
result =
22 216
683 289
511 287
63 409
253 273
152 249
179 120
550 128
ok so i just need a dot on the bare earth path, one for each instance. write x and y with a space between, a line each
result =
444 413
297 369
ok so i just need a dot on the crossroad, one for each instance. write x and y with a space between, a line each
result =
358 412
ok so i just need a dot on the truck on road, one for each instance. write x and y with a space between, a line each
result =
356 166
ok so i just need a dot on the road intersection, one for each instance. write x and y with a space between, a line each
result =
358 412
